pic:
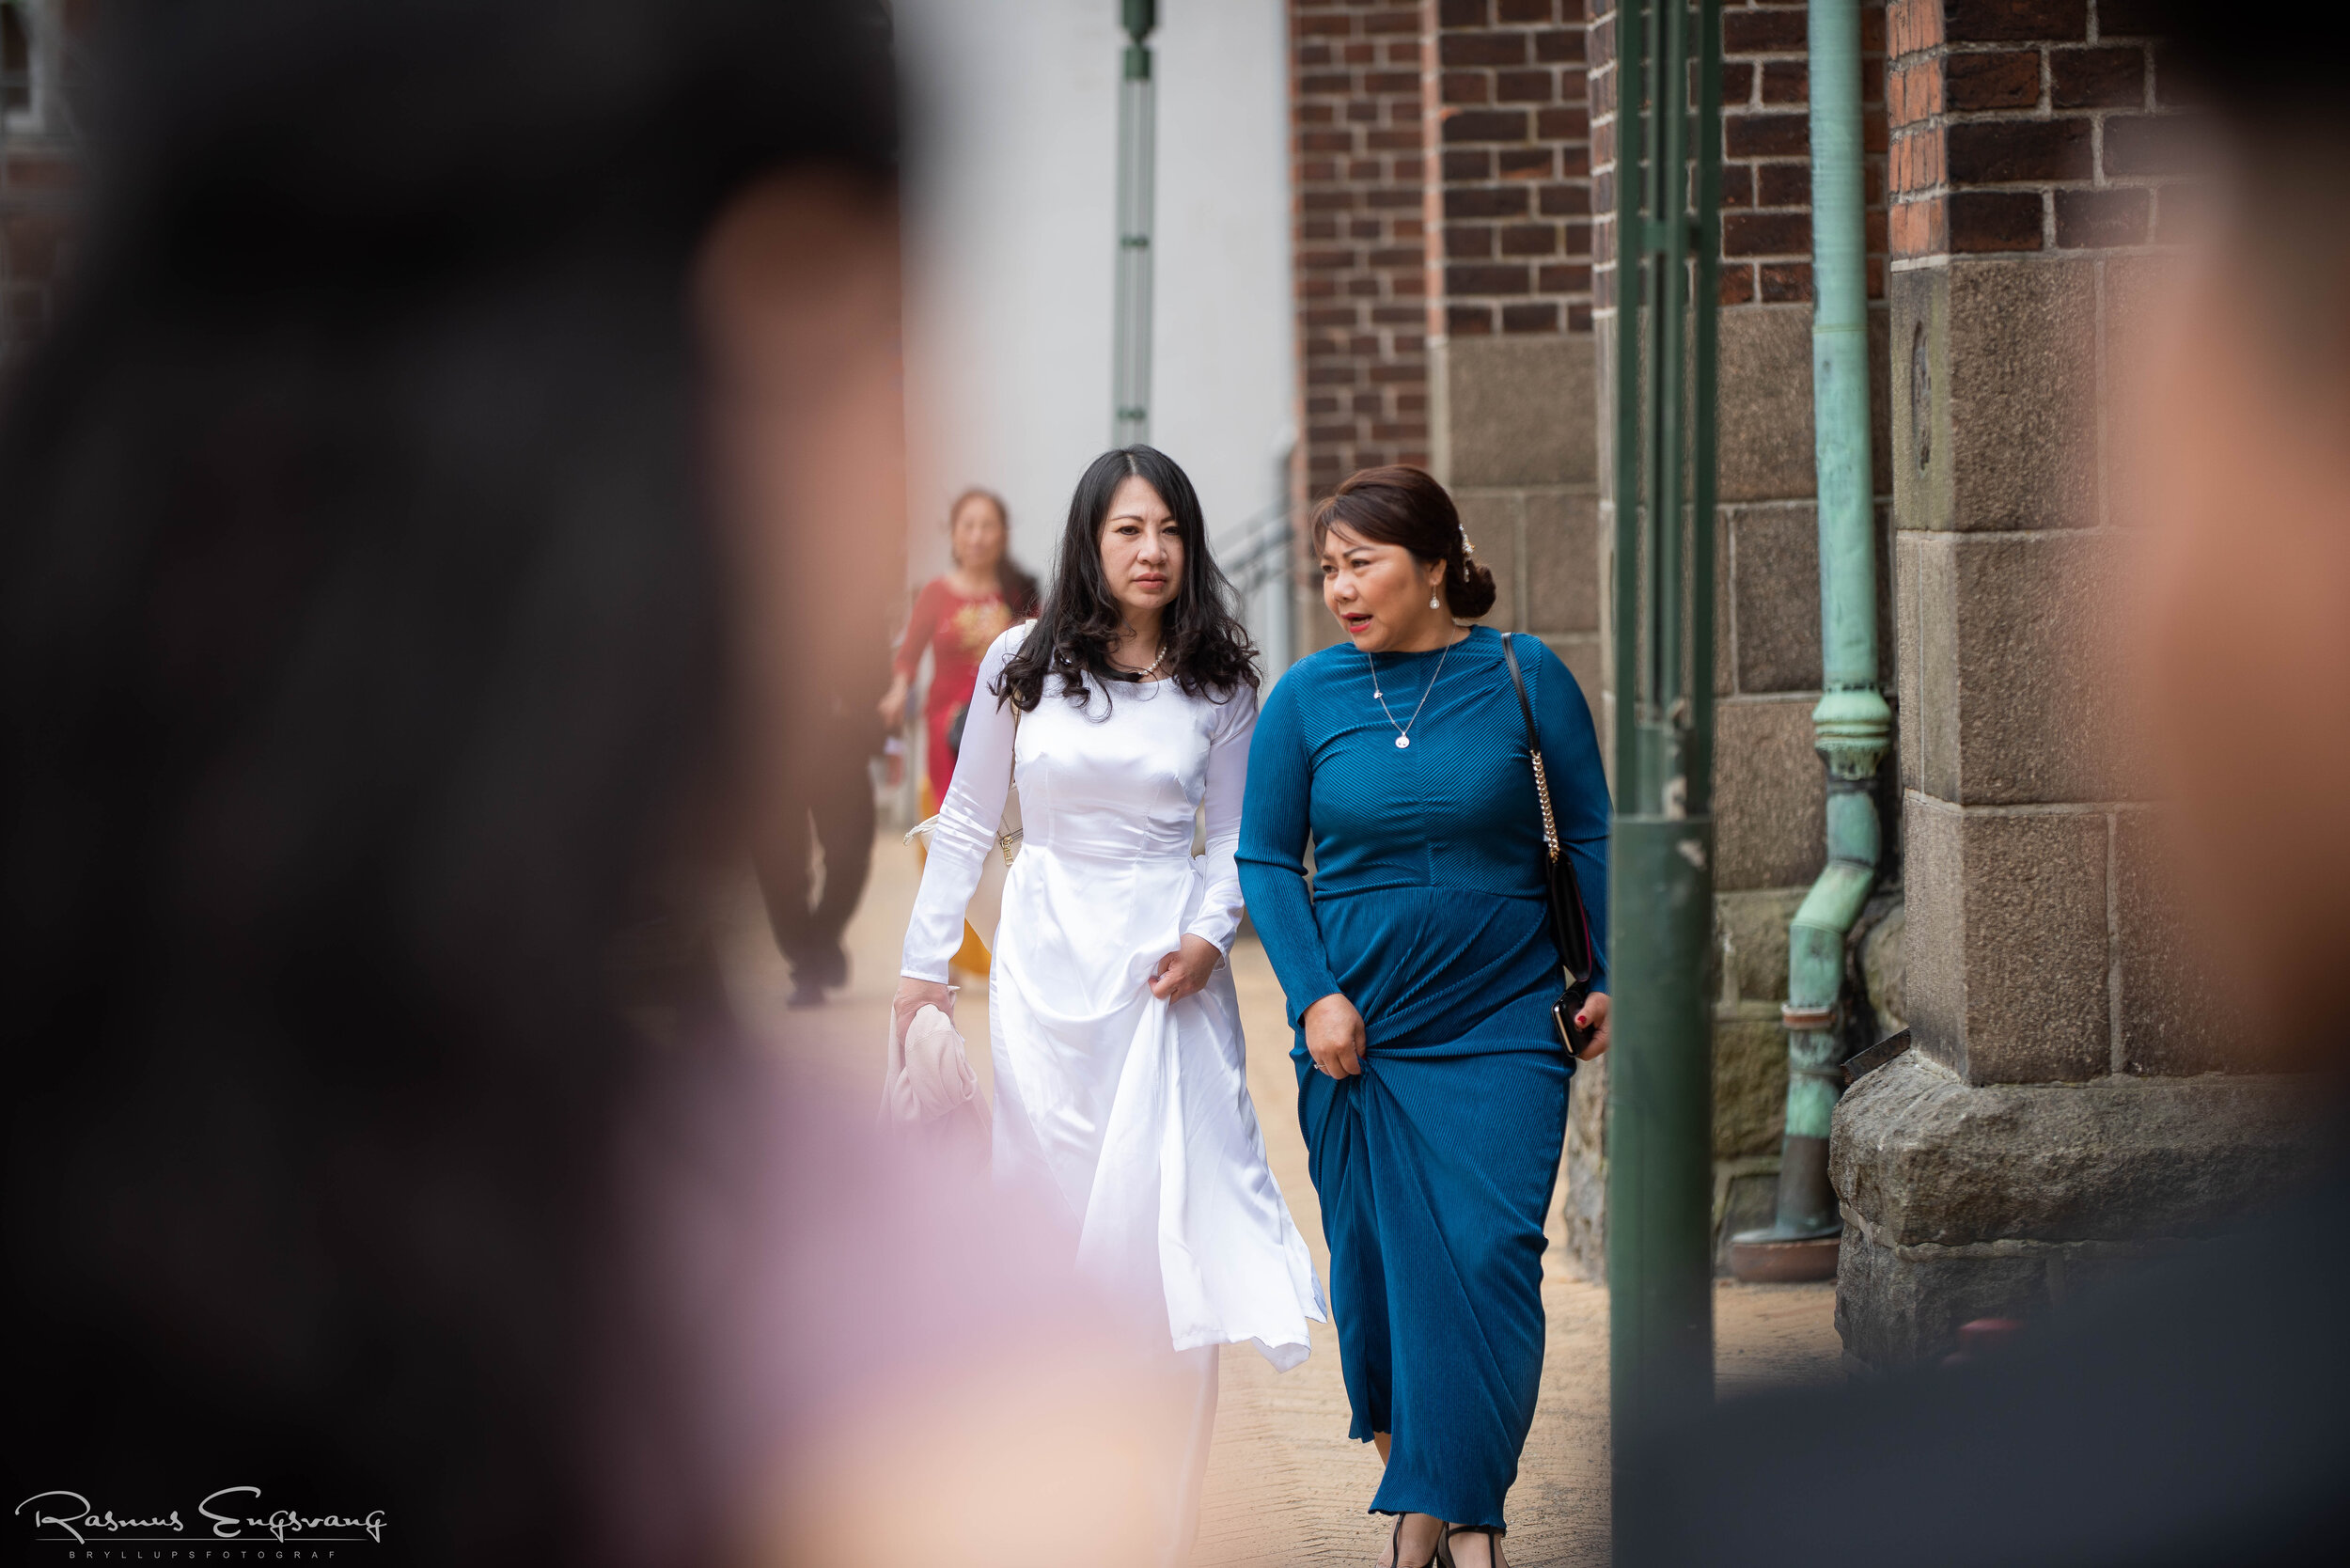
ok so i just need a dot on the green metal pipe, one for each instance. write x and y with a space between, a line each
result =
1659 1077
1626 449
1852 726
1660 1114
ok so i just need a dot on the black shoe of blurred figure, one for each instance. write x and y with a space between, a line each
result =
813 973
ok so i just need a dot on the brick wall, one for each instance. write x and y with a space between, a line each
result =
1512 192
1361 260
2025 126
1766 148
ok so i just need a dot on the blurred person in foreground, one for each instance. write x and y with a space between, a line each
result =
2195 1414
412 590
956 617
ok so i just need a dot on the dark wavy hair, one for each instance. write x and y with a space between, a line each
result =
1206 643
1406 506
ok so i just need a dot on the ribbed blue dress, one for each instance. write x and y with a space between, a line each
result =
1436 1165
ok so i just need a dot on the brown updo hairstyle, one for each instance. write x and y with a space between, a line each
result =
1399 504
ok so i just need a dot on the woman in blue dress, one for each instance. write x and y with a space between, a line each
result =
1420 974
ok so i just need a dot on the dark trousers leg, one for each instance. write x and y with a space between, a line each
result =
787 873
836 816
843 818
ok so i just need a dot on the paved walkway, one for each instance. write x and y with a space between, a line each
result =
1285 1486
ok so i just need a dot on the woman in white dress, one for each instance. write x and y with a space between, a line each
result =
1122 1093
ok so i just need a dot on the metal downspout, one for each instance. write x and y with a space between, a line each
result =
1138 158
1852 726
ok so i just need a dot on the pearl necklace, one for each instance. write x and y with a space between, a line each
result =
1146 671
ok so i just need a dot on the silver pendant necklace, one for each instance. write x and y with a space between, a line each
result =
1403 731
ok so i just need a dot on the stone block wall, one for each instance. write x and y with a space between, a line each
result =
2012 121
2031 171
1513 432
1769 784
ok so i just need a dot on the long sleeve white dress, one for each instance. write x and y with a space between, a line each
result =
1128 1114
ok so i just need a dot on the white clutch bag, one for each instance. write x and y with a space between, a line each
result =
929 1091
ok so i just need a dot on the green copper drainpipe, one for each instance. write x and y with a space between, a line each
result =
1852 726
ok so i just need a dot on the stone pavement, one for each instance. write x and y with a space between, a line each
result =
1284 1485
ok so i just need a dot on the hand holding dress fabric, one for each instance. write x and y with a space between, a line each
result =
1184 971
1334 1036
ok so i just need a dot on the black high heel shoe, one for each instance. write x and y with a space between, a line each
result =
1395 1544
1444 1542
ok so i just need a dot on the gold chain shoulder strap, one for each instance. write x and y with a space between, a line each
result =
1533 750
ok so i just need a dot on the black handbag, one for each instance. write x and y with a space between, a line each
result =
1570 923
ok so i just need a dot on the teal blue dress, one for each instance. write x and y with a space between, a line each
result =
1425 910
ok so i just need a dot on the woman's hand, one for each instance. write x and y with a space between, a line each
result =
915 995
1595 1016
1184 970
1334 1036
893 706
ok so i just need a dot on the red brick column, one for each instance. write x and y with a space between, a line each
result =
1360 257
2023 125
1767 150
1512 187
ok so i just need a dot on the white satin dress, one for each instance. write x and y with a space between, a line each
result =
1127 1116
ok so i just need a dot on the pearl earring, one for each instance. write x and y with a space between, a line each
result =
1435 603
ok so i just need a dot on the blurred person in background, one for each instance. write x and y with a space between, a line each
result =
423 539
2195 1414
955 617
814 876
1122 1079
